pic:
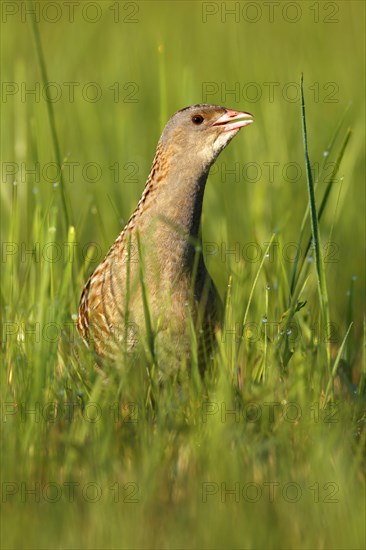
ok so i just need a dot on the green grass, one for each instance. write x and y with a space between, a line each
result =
115 460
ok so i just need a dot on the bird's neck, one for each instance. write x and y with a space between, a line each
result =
171 206
182 199
174 191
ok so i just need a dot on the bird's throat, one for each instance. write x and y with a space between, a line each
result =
182 202
172 213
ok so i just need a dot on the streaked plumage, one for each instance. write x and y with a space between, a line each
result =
166 222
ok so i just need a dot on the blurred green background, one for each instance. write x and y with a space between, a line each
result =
118 71
159 57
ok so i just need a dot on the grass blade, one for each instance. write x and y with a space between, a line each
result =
335 366
148 323
319 263
294 279
256 280
330 185
66 206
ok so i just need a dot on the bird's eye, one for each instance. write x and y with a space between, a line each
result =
197 119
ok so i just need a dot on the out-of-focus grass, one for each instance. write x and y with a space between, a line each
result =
108 468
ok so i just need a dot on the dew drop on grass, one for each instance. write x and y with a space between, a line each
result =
325 153
289 332
354 277
268 287
74 316
310 259
55 184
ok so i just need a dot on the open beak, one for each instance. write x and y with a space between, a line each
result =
232 120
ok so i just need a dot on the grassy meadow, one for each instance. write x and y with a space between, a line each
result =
268 450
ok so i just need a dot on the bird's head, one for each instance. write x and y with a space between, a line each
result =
200 132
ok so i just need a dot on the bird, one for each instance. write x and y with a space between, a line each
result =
153 287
